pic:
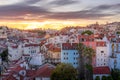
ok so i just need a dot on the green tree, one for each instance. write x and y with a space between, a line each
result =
118 77
115 74
109 78
88 32
80 49
64 72
118 32
104 78
88 54
85 62
97 78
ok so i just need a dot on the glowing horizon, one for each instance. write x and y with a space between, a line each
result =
26 25
56 14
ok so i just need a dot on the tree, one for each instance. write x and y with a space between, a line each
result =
88 54
88 32
109 78
104 78
97 78
80 49
115 73
118 32
4 55
64 72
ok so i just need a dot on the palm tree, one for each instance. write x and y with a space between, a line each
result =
88 54
80 49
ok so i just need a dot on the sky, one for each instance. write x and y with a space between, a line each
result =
55 14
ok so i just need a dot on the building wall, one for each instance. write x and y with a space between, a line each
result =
102 56
31 50
70 56
14 53
37 59
43 78
93 46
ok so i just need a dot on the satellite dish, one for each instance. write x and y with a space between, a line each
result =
22 72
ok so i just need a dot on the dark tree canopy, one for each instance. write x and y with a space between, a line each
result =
87 32
104 78
115 74
64 72
4 55
97 78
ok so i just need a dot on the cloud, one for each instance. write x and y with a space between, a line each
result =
106 7
32 1
78 15
20 11
63 2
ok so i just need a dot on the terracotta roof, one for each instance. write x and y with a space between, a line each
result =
45 71
26 54
28 45
101 70
54 49
24 39
69 46
86 37
101 43
13 70
9 78
30 73
49 45
15 46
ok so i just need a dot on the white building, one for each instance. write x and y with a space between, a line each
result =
101 71
31 49
14 52
102 53
58 39
37 59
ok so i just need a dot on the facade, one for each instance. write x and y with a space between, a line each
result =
102 54
54 55
37 59
15 52
69 54
101 71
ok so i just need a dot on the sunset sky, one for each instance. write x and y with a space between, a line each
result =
27 14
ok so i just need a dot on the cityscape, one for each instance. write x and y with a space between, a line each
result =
59 40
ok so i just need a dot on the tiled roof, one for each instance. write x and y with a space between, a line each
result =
30 73
101 43
86 37
54 49
44 71
69 46
15 46
48 45
28 45
101 70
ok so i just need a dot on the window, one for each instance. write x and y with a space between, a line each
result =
104 63
74 53
102 51
67 58
74 58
